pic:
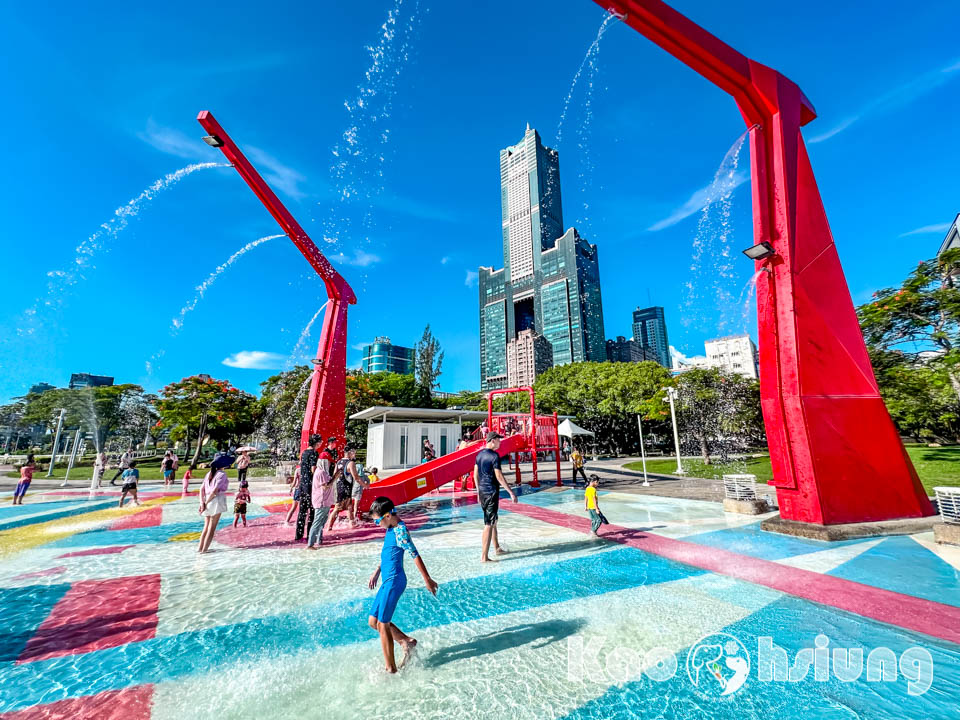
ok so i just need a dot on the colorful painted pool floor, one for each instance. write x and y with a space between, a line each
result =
111 613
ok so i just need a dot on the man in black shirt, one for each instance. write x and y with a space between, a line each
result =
308 463
488 478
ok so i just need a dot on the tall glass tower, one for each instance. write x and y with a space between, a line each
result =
650 330
550 280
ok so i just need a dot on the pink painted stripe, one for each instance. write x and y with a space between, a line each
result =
905 611
149 517
97 614
96 551
129 704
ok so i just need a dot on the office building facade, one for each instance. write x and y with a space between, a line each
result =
550 280
650 331
383 356
528 355
625 350
83 380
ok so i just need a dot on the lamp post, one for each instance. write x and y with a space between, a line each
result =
643 454
56 443
671 395
73 457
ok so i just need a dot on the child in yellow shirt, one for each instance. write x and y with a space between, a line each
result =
592 505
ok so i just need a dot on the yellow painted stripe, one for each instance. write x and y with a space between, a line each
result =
26 537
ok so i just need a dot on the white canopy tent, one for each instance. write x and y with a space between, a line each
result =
570 429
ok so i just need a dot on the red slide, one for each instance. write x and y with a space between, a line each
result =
421 479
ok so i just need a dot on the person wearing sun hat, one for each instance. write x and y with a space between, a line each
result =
213 498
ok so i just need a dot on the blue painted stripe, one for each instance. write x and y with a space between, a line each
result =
903 565
793 624
77 509
24 610
751 540
329 625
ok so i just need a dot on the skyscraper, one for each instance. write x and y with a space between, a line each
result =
383 356
550 280
650 330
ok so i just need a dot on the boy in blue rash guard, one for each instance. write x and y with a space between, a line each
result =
395 542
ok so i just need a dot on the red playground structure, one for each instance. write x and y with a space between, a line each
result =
836 454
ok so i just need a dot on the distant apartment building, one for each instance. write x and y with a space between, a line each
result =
624 350
84 380
383 356
650 331
952 239
550 279
41 388
528 355
736 355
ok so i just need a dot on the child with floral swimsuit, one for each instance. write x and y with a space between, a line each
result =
395 543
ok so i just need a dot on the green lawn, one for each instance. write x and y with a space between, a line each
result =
935 466
148 471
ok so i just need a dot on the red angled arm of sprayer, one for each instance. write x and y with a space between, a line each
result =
327 399
836 454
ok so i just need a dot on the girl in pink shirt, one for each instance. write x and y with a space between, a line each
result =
26 477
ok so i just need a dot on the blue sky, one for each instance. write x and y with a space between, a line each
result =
101 100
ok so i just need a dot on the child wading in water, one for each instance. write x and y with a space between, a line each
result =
131 478
395 542
592 506
240 501
26 477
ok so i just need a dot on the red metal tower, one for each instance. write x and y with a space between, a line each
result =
836 454
327 399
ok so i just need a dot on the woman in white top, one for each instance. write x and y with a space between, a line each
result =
213 499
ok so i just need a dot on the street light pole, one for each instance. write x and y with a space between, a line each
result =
671 394
56 443
73 457
643 454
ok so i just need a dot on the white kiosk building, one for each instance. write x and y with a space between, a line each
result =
395 435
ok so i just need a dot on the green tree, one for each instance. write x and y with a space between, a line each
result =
919 396
923 314
606 398
99 410
718 411
428 361
212 409
282 405
12 424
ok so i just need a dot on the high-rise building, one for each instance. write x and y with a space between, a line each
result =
528 355
650 330
734 354
82 380
550 280
624 350
383 356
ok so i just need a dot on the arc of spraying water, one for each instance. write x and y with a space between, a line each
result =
60 280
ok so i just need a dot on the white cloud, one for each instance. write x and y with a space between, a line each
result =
940 228
900 95
175 142
360 258
472 278
278 175
699 200
361 345
256 360
444 260
677 356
